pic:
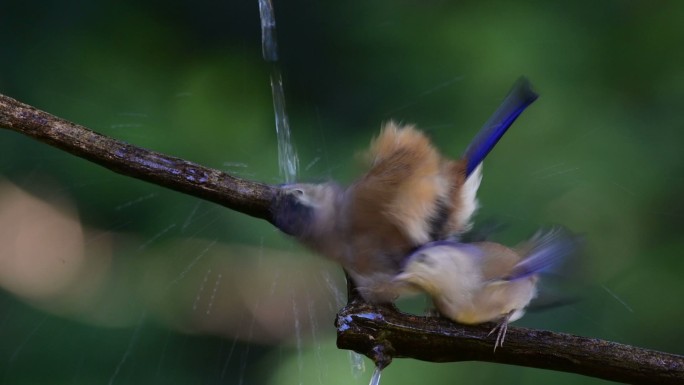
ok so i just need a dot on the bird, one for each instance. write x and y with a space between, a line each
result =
409 195
473 283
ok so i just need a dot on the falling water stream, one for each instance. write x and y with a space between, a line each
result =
288 162
375 379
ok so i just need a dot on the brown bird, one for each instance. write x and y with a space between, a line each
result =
485 281
410 195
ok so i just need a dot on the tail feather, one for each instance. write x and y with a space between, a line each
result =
517 100
545 251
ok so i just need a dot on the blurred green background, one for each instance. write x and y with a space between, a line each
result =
130 283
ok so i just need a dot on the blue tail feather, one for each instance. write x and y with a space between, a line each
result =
548 249
517 100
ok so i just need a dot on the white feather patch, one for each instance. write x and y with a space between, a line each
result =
469 203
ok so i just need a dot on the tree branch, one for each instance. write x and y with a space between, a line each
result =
248 197
382 333
379 332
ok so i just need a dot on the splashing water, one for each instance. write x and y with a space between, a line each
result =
298 336
288 162
375 379
213 293
358 365
129 349
287 156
